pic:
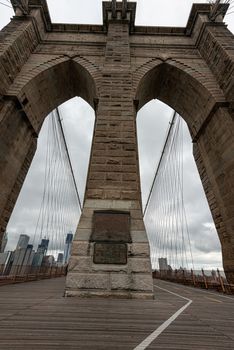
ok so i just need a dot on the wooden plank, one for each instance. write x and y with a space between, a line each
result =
35 315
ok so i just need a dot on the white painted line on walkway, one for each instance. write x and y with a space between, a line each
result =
143 345
169 291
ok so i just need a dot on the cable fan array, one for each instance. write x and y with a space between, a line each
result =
164 215
60 207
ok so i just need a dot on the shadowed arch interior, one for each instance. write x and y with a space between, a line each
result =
50 85
54 86
178 89
205 114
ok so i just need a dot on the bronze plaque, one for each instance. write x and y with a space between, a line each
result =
110 253
111 226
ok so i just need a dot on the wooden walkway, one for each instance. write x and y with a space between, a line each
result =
35 316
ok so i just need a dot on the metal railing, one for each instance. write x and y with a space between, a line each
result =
196 279
20 274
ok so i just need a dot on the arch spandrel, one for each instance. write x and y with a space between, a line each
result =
43 85
192 94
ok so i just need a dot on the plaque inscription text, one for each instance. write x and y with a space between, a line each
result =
110 253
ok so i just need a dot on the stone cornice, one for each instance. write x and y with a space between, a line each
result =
130 18
40 4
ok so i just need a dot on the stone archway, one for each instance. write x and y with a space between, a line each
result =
200 101
37 90
39 59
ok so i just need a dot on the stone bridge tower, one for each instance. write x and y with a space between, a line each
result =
117 67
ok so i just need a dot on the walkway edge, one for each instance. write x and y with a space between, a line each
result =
143 345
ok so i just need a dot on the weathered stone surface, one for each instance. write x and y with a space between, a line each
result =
88 281
121 281
142 282
117 68
140 249
139 236
110 253
81 248
140 265
80 263
84 234
138 282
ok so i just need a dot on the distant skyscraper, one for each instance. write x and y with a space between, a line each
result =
22 250
67 250
40 253
25 264
3 258
60 258
18 259
163 265
37 259
22 242
48 260
43 246
30 260
6 260
4 242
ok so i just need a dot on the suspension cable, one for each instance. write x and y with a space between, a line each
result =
165 215
69 158
160 161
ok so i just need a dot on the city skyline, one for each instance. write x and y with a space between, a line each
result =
26 257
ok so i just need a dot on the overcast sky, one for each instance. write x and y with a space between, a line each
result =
152 121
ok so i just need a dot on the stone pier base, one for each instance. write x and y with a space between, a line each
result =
88 276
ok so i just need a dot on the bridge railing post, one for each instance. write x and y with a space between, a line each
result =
221 281
193 278
204 279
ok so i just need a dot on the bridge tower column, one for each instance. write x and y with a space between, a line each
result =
18 136
18 145
214 147
110 253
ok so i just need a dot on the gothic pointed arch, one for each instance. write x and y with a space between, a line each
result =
196 95
43 85
193 94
